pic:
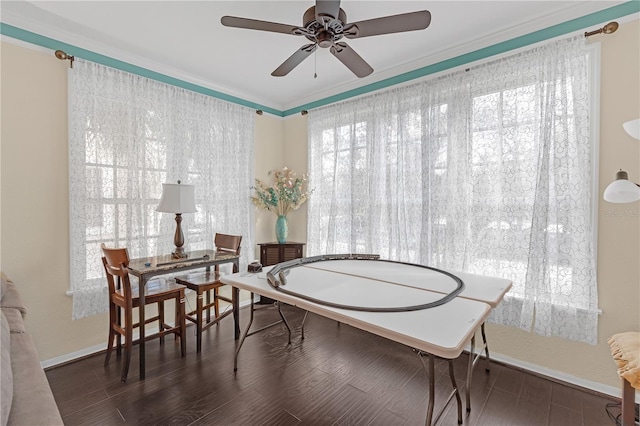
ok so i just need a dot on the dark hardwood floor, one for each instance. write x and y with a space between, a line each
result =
337 375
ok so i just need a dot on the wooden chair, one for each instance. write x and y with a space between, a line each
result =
205 282
123 297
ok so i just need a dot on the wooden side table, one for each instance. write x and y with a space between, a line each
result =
272 253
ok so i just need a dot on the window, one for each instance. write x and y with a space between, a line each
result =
128 135
488 170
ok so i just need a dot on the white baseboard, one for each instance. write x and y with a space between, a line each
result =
62 359
562 377
52 362
556 375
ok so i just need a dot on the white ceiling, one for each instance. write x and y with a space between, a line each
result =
185 39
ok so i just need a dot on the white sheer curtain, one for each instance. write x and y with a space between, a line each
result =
128 135
488 170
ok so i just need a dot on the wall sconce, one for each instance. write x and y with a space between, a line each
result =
178 199
622 190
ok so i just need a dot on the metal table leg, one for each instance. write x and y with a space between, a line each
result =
302 325
244 336
284 320
429 367
473 359
248 333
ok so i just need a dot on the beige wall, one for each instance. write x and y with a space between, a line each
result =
34 240
269 151
35 199
295 157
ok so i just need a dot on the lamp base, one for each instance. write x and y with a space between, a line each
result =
178 239
179 253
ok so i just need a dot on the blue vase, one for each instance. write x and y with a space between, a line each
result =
282 229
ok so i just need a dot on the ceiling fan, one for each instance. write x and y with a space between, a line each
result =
325 24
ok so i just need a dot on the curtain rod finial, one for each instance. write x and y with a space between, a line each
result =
63 56
610 28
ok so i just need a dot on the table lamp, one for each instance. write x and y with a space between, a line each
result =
178 199
622 190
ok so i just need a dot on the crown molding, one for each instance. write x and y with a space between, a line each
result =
521 34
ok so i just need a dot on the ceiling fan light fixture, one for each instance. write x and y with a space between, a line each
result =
325 39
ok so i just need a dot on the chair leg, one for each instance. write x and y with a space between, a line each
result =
128 345
199 310
118 335
112 333
216 303
208 302
110 342
161 320
628 404
180 311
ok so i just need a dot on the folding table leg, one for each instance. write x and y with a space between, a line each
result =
432 388
473 359
244 336
432 384
486 348
286 323
248 333
302 326
472 355
455 392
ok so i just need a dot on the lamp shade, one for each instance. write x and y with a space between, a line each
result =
177 198
632 128
622 190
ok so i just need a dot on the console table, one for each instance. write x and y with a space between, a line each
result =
146 268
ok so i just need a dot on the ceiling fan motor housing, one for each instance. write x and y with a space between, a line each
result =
324 33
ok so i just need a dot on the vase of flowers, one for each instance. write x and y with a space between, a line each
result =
286 193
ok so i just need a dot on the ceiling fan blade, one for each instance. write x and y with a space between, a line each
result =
254 24
351 59
411 21
327 10
294 60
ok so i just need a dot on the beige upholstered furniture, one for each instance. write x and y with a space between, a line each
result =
625 348
123 297
25 395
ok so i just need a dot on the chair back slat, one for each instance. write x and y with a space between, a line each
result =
228 243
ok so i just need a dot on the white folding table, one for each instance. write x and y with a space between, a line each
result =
441 331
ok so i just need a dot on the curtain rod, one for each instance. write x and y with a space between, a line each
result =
610 28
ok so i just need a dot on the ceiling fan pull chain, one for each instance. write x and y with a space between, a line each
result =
315 64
